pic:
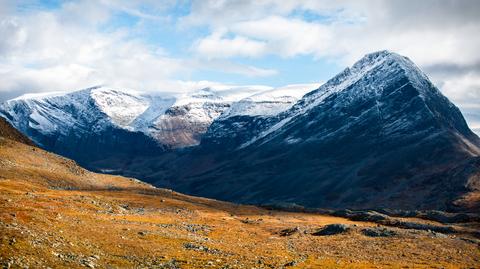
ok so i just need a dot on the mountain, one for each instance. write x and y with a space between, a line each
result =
86 125
102 127
379 134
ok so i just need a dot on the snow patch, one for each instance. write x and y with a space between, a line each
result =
269 103
121 106
292 140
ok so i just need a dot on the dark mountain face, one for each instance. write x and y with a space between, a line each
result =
377 135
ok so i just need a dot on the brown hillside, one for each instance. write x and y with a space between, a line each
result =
7 131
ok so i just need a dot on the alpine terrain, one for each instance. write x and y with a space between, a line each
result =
100 126
377 135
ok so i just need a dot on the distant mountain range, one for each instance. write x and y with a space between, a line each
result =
97 124
377 135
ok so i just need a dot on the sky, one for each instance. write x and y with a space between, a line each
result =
154 45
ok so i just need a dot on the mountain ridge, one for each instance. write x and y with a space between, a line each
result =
351 75
375 134
97 124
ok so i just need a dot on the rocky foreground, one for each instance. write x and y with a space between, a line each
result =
54 214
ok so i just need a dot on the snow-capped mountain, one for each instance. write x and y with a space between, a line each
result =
189 117
81 124
368 79
97 107
88 125
378 134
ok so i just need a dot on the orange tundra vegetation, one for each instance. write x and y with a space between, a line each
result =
55 214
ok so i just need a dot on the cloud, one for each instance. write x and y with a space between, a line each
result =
218 46
427 31
219 13
461 83
271 35
288 37
233 68
41 53
453 69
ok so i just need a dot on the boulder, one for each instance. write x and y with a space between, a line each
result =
332 229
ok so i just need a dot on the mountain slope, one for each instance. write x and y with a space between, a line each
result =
23 163
188 118
8 132
379 134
